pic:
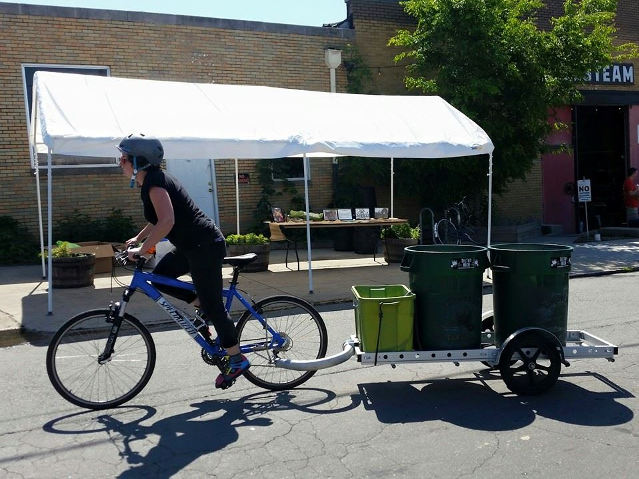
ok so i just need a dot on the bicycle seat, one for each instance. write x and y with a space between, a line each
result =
240 260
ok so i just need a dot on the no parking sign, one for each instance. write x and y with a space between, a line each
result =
583 191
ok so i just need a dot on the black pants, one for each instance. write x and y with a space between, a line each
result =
204 262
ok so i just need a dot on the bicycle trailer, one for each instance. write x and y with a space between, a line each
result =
393 327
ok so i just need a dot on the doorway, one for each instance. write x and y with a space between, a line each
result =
198 178
600 155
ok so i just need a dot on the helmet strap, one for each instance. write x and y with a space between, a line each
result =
135 172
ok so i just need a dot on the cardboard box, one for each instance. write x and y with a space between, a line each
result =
103 254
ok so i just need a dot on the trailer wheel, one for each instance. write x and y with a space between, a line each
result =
530 363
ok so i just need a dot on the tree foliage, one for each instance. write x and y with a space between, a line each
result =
491 60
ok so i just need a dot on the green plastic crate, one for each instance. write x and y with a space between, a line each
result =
397 303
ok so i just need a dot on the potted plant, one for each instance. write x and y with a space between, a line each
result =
396 238
71 270
250 243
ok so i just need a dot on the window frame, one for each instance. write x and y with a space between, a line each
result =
293 178
108 163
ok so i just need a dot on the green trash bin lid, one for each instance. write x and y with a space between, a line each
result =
529 247
534 258
443 259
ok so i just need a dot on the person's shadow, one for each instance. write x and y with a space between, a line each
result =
206 428
182 438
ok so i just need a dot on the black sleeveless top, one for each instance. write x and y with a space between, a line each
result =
192 226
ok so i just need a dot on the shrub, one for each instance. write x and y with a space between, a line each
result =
402 230
250 238
17 245
62 249
117 228
79 227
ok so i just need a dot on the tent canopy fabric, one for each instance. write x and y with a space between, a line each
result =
84 115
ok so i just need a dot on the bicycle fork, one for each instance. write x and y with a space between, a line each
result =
114 316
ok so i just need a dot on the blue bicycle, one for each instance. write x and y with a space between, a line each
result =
102 358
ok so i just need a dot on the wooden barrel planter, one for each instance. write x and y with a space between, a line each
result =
261 250
394 248
73 271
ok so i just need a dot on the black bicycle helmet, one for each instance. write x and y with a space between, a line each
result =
144 149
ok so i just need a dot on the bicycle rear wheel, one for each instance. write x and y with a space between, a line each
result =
445 232
302 327
81 378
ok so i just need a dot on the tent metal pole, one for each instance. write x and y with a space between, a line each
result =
216 208
308 226
37 175
49 234
392 185
237 199
490 196
33 151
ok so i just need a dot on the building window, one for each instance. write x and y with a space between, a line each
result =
290 169
59 161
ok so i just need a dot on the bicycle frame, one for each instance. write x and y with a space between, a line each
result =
141 281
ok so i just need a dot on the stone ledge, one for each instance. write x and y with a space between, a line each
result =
509 233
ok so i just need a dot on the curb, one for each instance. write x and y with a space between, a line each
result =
593 274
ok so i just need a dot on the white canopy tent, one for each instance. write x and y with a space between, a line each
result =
86 116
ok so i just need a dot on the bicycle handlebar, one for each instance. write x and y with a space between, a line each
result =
122 258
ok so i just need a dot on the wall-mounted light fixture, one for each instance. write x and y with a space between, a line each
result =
333 59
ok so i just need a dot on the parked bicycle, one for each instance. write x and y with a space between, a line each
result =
453 228
103 358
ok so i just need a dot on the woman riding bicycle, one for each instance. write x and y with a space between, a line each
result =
199 244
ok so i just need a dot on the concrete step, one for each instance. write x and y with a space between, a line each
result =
549 229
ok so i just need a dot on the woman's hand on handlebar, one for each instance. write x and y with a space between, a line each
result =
134 254
132 242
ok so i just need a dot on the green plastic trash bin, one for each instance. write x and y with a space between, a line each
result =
397 307
530 288
447 282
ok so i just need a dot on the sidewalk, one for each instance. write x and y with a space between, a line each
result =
23 292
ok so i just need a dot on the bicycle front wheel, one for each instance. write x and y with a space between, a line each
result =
305 338
77 373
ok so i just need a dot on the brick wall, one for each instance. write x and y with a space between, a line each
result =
375 22
522 200
152 46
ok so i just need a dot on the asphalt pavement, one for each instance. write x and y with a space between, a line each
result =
438 420
23 291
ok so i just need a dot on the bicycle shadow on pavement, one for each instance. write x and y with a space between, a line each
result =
170 444
467 403
167 445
